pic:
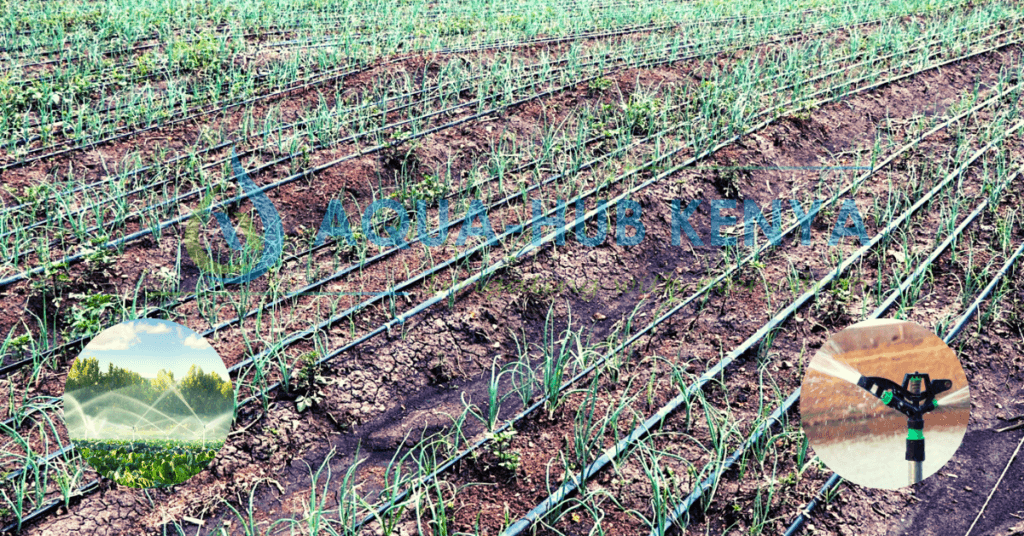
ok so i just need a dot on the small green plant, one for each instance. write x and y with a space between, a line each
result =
599 85
87 317
308 380
500 447
146 64
428 189
197 55
641 113
803 110
20 345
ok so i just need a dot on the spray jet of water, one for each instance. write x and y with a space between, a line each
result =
831 366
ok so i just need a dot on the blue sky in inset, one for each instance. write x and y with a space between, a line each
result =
149 345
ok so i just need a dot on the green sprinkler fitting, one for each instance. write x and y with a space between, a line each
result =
914 398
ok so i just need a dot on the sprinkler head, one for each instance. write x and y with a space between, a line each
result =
914 398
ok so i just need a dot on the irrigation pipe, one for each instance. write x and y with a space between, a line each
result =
819 497
711 481
554 235
704 290
635 337
805 514
145 232
996 486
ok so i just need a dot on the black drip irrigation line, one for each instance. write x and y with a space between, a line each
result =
197 112
391 126
835 479
626 62
819 497
41 461
51 506
654 421
682 510
401 320
352 345
552 236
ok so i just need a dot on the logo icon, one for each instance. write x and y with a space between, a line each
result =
272 242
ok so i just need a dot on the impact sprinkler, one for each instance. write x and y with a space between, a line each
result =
914 398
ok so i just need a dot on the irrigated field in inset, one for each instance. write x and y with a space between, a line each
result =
149 403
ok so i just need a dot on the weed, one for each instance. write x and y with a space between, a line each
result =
90 315
309 380
500 447
599 85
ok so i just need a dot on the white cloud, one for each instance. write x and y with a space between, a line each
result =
124 336
196 342
119 337
158 329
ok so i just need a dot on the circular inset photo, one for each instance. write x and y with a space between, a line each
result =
885 403
148 403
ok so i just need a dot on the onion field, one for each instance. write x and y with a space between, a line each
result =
478 267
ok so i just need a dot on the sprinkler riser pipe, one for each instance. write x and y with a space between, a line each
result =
915 472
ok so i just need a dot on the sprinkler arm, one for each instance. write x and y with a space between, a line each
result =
899 398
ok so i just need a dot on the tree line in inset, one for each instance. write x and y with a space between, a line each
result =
205 393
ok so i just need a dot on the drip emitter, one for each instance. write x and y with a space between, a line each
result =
914 398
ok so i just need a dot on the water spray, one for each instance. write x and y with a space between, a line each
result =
914 398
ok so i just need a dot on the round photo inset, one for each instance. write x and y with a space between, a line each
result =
148 403
885 403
